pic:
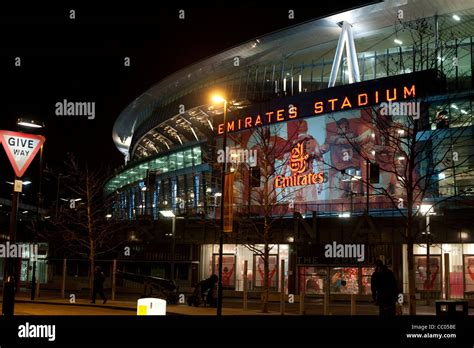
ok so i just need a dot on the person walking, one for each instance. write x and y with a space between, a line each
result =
384 289
98 287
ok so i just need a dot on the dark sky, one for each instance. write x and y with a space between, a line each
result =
82 60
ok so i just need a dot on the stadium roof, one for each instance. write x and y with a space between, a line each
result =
312 40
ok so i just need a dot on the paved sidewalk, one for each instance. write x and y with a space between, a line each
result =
180 309
231 307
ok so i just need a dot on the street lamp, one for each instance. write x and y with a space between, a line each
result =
170 214
27 123
24 183
217 99
426 209
32 124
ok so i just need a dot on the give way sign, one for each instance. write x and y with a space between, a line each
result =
21 148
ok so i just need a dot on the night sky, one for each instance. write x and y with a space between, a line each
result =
82 60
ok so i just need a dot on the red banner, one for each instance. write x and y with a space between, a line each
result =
228 202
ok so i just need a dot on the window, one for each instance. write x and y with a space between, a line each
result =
344 280
366 280
313 279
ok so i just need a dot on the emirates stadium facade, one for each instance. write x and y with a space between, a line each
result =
306 90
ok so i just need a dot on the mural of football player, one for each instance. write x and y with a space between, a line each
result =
271 148
390 157
344 143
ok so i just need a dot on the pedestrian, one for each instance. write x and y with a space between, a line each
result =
384 289
98 287
204 292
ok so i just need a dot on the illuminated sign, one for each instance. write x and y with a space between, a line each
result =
341 98
321 106
298 163
298 159
271 116
364 99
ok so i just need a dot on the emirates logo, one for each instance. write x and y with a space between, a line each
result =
298 159
298 163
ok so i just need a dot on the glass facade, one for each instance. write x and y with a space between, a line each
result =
157 166
173 181
459 271
234 256
316 280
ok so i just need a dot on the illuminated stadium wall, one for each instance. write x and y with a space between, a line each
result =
171 134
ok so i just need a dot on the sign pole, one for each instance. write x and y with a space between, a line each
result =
8 307
20 148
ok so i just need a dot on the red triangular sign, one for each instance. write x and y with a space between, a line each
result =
21 148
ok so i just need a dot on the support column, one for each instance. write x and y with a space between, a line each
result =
346 39
302 310
114 271
245 285
353 304
282 287
446 276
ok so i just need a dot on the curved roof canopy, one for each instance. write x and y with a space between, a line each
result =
314 39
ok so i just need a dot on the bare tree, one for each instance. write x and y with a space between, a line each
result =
85 224
265 201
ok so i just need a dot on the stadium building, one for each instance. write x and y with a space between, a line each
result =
305 148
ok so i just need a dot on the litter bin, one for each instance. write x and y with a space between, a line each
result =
450 307
151 306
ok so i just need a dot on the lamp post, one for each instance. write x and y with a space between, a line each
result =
169 213
220 99
32 124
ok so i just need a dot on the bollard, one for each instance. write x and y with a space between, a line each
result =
353 304
37 288
302 311
446 276
282 288
245 284
326 303
114 270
